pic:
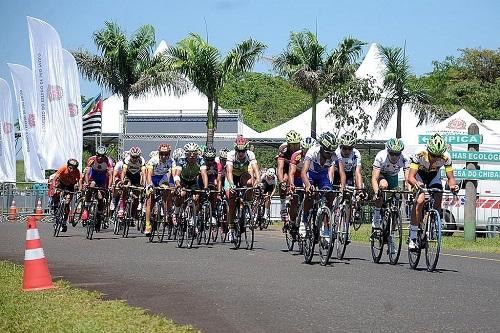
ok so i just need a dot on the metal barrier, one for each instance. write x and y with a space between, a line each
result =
25 196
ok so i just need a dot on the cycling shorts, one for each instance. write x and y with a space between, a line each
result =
100 178
392 180
158 180
134 178
430 179
320 180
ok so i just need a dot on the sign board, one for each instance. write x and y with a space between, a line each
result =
475 156
455 139
474 174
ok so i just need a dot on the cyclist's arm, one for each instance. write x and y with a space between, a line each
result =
343 178
407 173
256 172
87 175
204 177
280 169
149 174
452 182
412 179
375 176
229 174
143 175
124 172
358 178
303 173
291 171
110 176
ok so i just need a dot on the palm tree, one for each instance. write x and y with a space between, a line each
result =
311 68
202 64
128 67
400 88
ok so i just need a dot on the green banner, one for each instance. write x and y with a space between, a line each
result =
474 174
475 156
455 139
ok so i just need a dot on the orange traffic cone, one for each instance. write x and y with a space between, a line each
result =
38 210
12 212
36 272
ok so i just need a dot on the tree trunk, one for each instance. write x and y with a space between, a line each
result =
210 123
314 98
125 102
398 119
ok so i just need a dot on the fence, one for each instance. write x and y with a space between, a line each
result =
25 196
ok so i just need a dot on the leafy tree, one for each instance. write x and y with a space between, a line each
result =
201 63
401 88
128 67
266 101
309 66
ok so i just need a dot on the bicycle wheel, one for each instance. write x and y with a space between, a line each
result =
118 223
222 220
215 226
377 239
200 227
249 226
181 228
290 242
432 240
191 221
300 245
308 241
395 238
127 220
238 223
357 218
342 234
207 219
79 208
414 255
325 244
92 220
58 218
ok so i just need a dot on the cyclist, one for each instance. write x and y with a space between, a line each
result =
133 173
66 178
296 164
158 172
425 167
214 174
187 172
178 154
239 160
117 175
351 158
269 182
99 174
222 160
386 166
285 152
319 170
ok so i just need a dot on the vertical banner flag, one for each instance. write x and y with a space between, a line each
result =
22 79
74 105
50 84
7 147
92 116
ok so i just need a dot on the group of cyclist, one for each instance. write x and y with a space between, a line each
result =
301 163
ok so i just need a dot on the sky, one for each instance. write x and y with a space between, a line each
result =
431 29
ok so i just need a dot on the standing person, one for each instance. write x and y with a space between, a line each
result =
286 150
386 166
66 178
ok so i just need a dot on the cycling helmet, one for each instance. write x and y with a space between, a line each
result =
327 141
153 153
164 148
223 153
135 152
72 163
191 146
436 145
293 137
241 143
209 153
178 153
202 148
271 172
100 151
307 143
125 154
347 140
395 145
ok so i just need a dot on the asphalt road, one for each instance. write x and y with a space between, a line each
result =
218 289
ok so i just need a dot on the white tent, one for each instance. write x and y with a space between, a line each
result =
373 66
192 102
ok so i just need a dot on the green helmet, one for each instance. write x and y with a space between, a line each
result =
436 145
395 145
202 148
293 137
347 140
327 141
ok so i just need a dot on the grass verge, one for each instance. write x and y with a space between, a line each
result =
67 309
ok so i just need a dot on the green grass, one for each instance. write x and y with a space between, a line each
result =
67 309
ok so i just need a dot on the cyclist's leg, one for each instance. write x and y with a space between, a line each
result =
294 202
283 211
416 215
324 184
438 197
383 184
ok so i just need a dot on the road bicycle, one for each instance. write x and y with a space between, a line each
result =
61 211
244 223
292 232
160 222
130 216
221 211
206 227
391 227
261 214
186 229
96 215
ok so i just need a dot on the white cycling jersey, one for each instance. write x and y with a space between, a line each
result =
384 164
351 161
313 155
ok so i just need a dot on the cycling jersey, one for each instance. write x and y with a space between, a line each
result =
386 167
298 160
99 170
213 170
161 171
285 154
134 167
190 171
240 167
266 181
68 178
318 173
427 173
351 161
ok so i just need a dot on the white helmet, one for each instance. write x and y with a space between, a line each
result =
153 153
270 172
179 153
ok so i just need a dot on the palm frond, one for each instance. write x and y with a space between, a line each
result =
384 113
